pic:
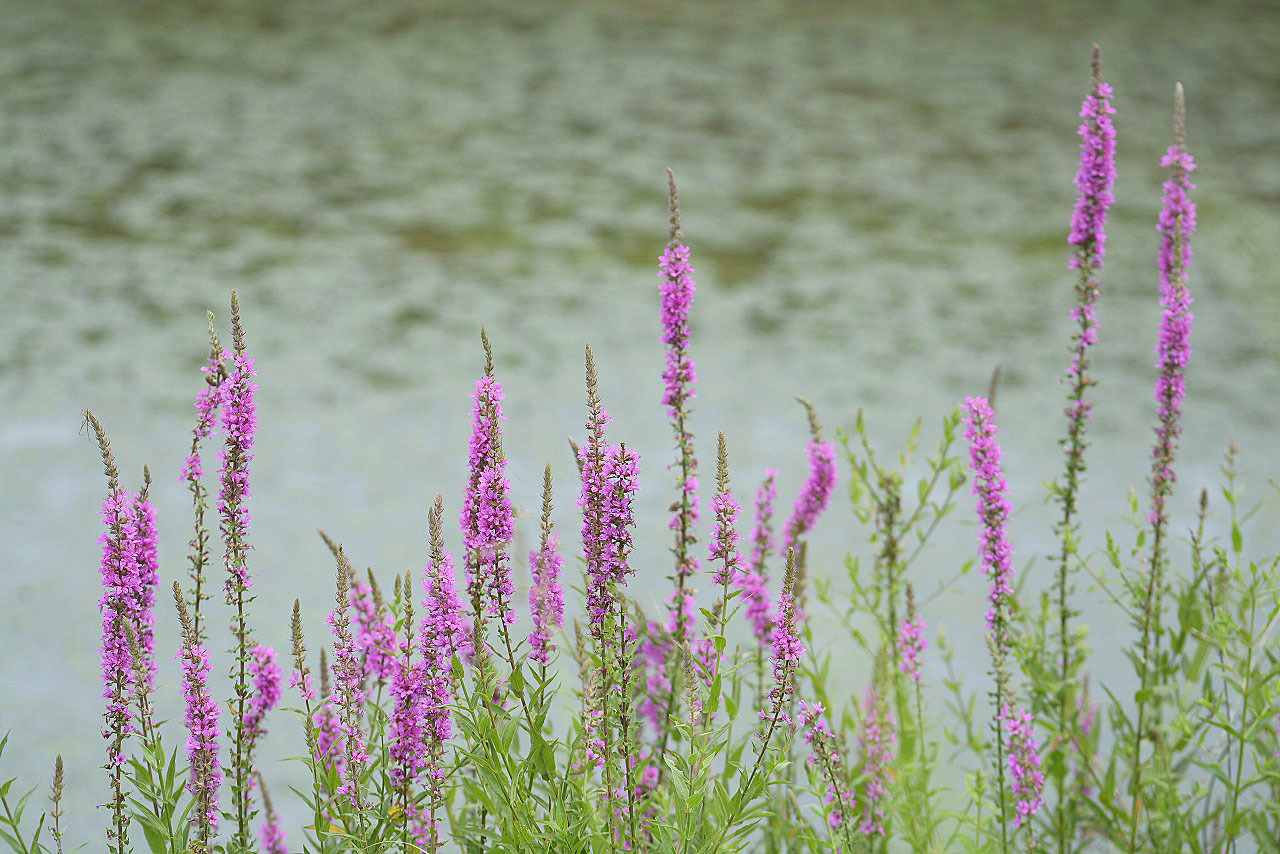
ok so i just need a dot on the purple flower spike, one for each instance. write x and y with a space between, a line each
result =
144 597
444 636
816 492
1024 763
202 725
611 489
266 691
1176 226
375 635
240 423
877 740
752 580
724 537
273 838
546 596
1094 182
121 590
993 509
911 645
1097 173
487 518
677 291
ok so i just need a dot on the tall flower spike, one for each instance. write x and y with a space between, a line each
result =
677 288
348 675
487 518
546 595
752 580
787 646
911 640
407 734
1026 778
206 405
444 636
877 740
240 423
120 583
1094 181
993 510
1176 226
273 838
143 606
816 492
724 538
202 726
375 634
266 691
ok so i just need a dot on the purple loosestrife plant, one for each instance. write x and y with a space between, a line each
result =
487 518
788 649
825 753
444 637
1094 181
676 289
993 510
408 732
349 693
206 405
878 741
911 645
723 553
546 595
375 635
752 580
143 606
202 728
120 582
266 673
239 423
1176 225
274 840
812 500
1026 778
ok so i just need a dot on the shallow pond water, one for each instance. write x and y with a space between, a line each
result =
877 205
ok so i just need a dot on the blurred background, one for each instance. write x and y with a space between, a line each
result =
877 196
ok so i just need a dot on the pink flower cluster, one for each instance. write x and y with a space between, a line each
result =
121 595
375 635
993 507
823 751
240 423
814 495
608 487
202 729
724 537
1024 763
752 580
677 291
911 643
1176 225
487 518
546 598
266 691
877 741
1096 177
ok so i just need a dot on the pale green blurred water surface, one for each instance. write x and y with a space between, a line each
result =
877 196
